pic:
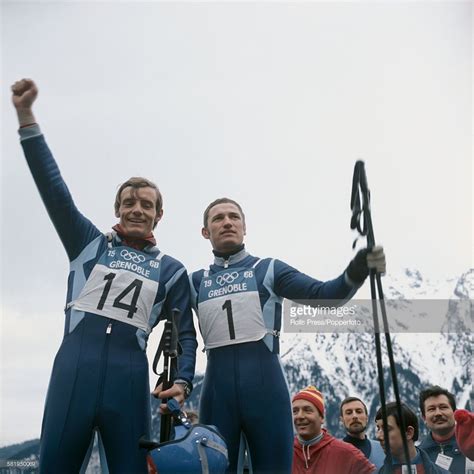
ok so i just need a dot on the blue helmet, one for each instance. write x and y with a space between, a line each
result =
195 449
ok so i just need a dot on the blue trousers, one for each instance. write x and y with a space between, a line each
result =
245 390
99 381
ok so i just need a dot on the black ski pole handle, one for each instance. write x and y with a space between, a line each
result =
360 204
175 319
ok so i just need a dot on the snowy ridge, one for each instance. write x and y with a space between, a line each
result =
344 364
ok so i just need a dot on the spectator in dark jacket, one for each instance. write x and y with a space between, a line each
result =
437 407
355 418
396 463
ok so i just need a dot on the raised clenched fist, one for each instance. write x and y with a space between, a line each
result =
24 94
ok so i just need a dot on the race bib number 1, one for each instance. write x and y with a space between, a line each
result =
229 308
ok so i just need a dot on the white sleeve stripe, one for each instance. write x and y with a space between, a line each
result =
174 279
194 293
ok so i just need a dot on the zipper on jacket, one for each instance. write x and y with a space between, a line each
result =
103 366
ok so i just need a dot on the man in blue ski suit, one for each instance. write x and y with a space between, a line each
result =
238 302
119 285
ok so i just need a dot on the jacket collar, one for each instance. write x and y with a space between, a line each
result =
227 260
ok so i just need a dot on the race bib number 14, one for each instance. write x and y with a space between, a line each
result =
122 286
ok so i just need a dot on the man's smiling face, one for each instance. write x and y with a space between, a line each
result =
439 415
307 419
137 211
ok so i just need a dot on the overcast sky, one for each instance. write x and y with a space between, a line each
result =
267 103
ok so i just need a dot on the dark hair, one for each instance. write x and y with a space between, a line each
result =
435 391
137 182
223 200
352 399
409 417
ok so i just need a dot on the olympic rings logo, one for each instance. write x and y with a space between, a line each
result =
134 257
227 278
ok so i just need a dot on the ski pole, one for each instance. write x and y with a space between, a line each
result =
169 343
362 221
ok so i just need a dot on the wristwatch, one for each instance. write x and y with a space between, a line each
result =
188 388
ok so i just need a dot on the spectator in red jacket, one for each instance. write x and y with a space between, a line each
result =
465 432
315 451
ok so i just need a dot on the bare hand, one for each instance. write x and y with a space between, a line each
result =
176 392
24 94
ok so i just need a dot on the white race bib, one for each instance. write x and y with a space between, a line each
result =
229 308
122 286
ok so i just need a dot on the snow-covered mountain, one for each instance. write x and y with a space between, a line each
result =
344 364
